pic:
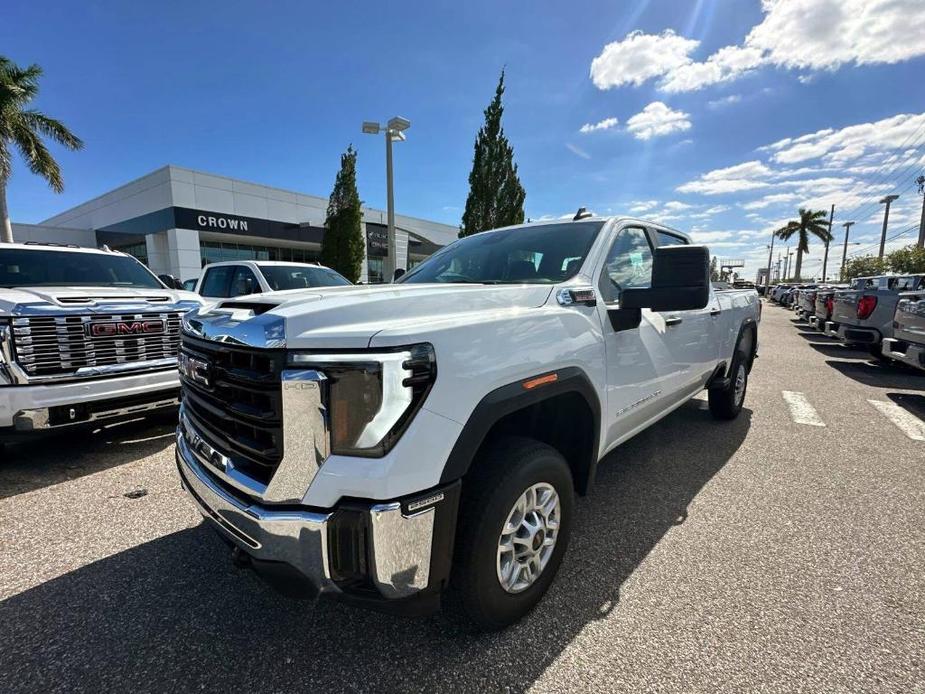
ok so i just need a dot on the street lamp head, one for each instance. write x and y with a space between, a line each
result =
371 127
398 123
397 136
889 198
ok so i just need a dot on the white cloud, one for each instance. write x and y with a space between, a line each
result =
849 143
726 64
724 101
656 120
768 200
605 124
577 150
749 175
677 205
807 35
640 57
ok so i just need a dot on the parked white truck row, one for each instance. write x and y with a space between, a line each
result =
884 314
390 446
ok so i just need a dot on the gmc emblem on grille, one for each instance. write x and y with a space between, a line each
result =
194 369
119 328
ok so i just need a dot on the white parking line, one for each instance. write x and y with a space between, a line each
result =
908 423
800 410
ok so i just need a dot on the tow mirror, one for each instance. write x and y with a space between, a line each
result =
399 272
680 281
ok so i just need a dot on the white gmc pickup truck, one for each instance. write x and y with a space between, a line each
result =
86 336
387 445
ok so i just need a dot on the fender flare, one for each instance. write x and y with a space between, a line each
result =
513 397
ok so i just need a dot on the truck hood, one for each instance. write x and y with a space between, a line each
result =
89 298
349 317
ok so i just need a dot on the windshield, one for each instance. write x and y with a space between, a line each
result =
48 268
301 276
545 254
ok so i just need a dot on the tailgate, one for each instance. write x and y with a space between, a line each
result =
845 308
909 319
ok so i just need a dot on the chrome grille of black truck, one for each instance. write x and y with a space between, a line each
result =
75 345
236 404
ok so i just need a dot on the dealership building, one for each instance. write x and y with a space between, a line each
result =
177 220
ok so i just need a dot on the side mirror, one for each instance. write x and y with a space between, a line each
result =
680 281
398 273
171 281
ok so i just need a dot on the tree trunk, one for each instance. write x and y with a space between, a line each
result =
799 263
6 231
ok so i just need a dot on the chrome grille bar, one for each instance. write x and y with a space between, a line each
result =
58 346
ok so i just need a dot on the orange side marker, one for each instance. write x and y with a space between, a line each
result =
540 381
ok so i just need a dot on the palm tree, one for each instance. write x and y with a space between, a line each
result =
25 127
810 222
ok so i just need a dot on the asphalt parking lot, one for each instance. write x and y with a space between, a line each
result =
771 553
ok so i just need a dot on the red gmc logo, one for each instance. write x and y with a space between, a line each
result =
119 328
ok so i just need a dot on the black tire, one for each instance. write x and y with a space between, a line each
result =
876 351
505 470
726 403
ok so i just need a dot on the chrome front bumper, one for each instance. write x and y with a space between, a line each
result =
398 536
913 354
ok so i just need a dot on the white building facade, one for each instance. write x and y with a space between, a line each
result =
177 220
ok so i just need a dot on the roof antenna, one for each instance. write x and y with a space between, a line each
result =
581 214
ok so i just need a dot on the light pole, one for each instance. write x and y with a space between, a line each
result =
767 279
394 131
787 264
825 258
886 219
844 253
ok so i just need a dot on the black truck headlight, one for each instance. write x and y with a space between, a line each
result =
371 397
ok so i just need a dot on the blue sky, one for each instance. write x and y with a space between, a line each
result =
689 99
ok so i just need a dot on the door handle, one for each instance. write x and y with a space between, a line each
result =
673 320
716 311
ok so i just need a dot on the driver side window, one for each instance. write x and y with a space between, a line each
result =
628 264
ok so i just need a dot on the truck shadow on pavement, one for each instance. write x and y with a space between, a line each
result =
881 374
914 404
173 614
31 464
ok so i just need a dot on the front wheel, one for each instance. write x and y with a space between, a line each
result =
726 402
514 524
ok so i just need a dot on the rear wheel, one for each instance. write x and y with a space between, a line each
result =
514 525
726 402
876 351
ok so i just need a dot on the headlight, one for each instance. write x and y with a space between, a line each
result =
371 397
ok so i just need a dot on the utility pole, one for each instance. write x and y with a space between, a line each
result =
921 242
886 219
767 279
787 264
844 254
825 258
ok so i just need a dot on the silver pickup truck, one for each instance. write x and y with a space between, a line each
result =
908 342
823 305
863 314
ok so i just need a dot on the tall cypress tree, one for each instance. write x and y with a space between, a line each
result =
496 198
342 247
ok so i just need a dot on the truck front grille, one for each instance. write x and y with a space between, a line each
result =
62 345
235 402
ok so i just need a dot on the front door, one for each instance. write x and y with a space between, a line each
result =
639 360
